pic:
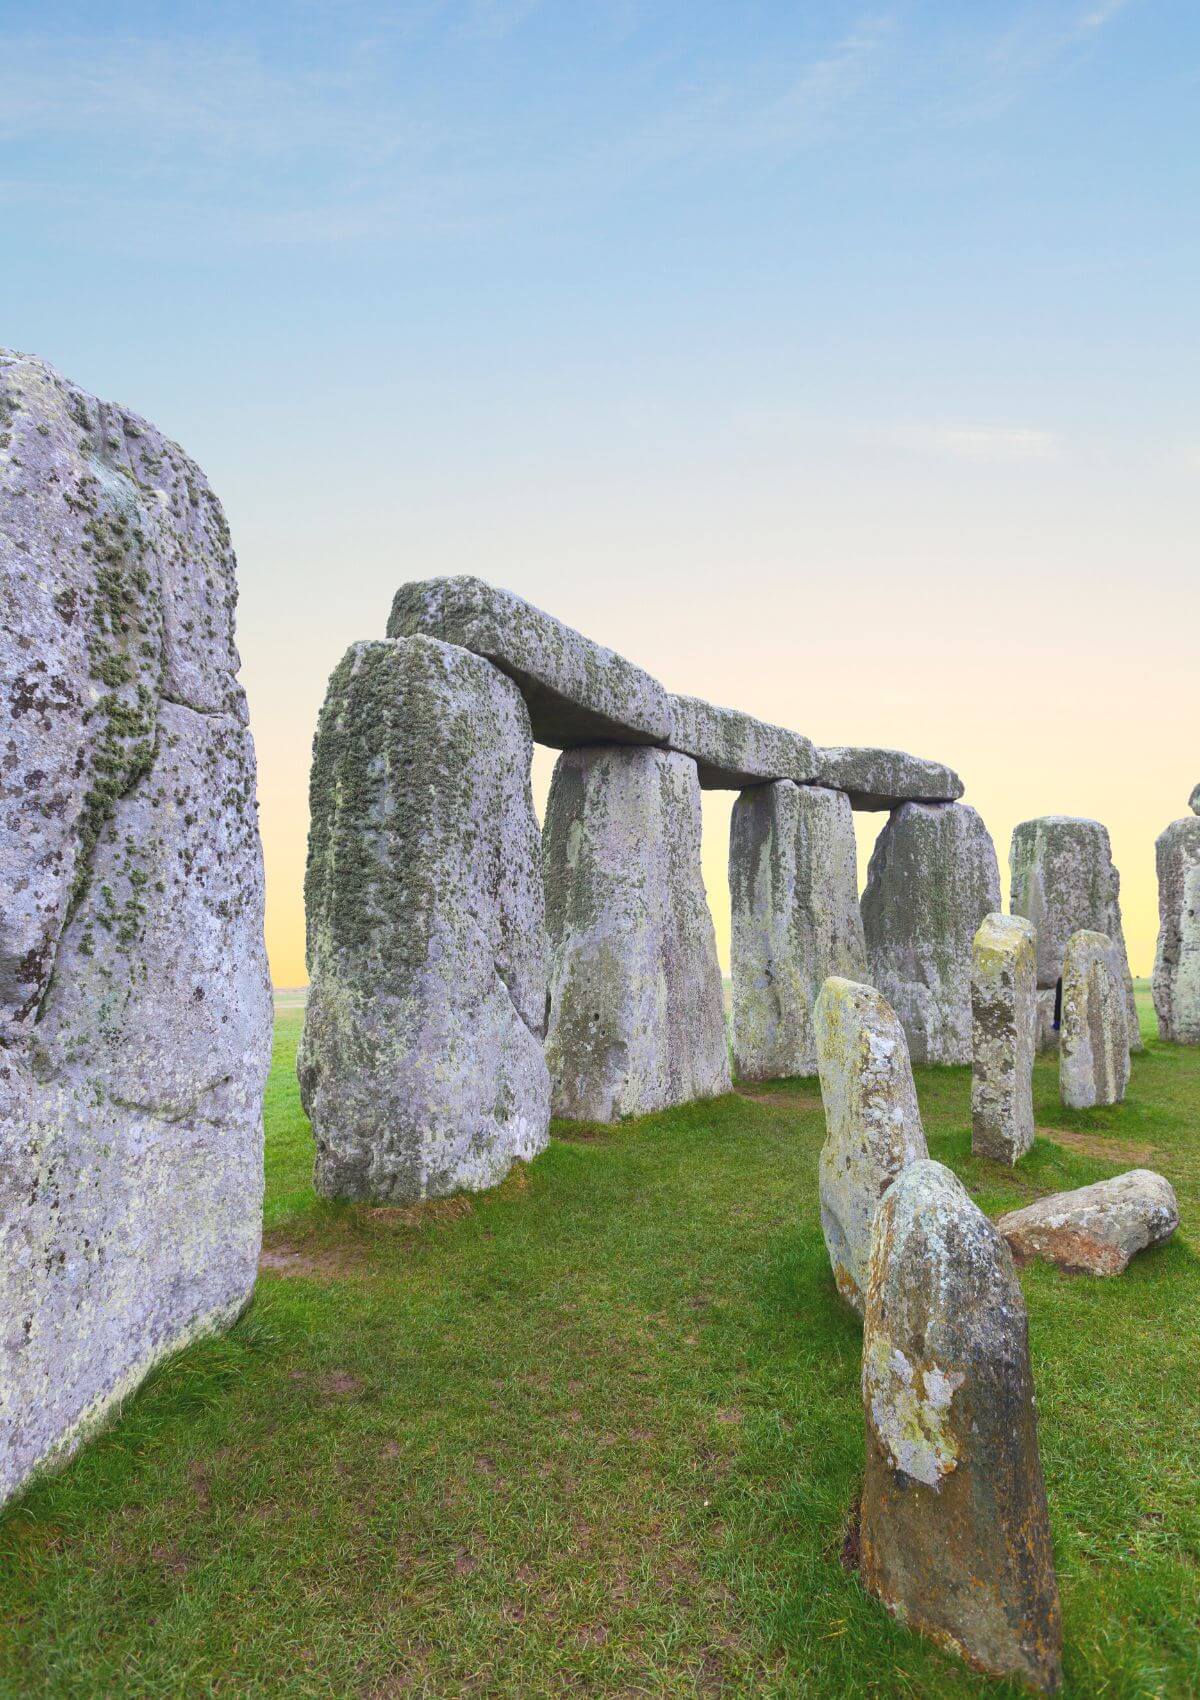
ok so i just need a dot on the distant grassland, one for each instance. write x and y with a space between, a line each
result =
597 1434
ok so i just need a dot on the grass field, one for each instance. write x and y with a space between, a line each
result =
597 1433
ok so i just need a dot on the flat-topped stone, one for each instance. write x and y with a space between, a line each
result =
1093 1049
1096 1230
1004 1016
733 750
576 691
881 779
1177 956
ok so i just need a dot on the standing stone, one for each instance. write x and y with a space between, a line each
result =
1177 959
421 1065
135 1005
1064 881
636 1019
1004 1013
793 886
1095 1230
1194 801
1093 1052
955 1534
932 879
872 1121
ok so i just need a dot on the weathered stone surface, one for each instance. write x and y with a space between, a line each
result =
873 1125
932 879
1004 1014
793 886
1093 1047
135 1008
732 750
576 690
955 1535
1095 1230
1194 801
421 1064
1047 1026
883 779
1064 881
636 1019
1177 958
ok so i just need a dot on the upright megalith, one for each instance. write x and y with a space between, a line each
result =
1093 1050
421 1065
1064 881
933 877
955 1536
1177 958
1004 1016
635 1010
135 1005
793 886
872 1122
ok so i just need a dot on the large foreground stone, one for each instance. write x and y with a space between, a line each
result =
883 779
793 886
135 1007
933 877
873 1125
1095 1230
421 1065
955 1535
1064 881
1177 958
1093 1047
636 1018
732 749
1004 1013
576 691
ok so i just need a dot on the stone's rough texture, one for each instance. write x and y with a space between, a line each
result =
1194 801
732 749
1064 881
1004 1013
955 1535
932 879
576 690
421 1065
873 1125
1177 959
135 1007
1047 1004
882 779
1096 1230
1093 1048
636 1018
793 886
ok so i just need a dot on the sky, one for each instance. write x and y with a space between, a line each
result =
838 363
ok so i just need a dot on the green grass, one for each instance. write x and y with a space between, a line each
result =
597 1434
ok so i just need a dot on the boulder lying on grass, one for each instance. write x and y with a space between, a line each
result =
1095 1230
1093 1049
1004 1015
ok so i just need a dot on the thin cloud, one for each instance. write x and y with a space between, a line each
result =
966 441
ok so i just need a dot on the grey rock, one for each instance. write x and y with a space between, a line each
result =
732 750
1095 1230
636 1020
135 1007
883 779
1047 1006
793 885
1093 1049
955 1536
421 1065
1194 801
872 1121
1177 958
1004 1013
576 690
933 877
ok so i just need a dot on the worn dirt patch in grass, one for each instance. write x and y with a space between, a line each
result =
1098 1145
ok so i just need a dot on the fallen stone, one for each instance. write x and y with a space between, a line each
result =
635 1008
732 750
135 1005
872 1121
883 779
793 885
1177 959
1095 1230
955 1536
421 1065
576 690
1093 1047
933 877
1004 1013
